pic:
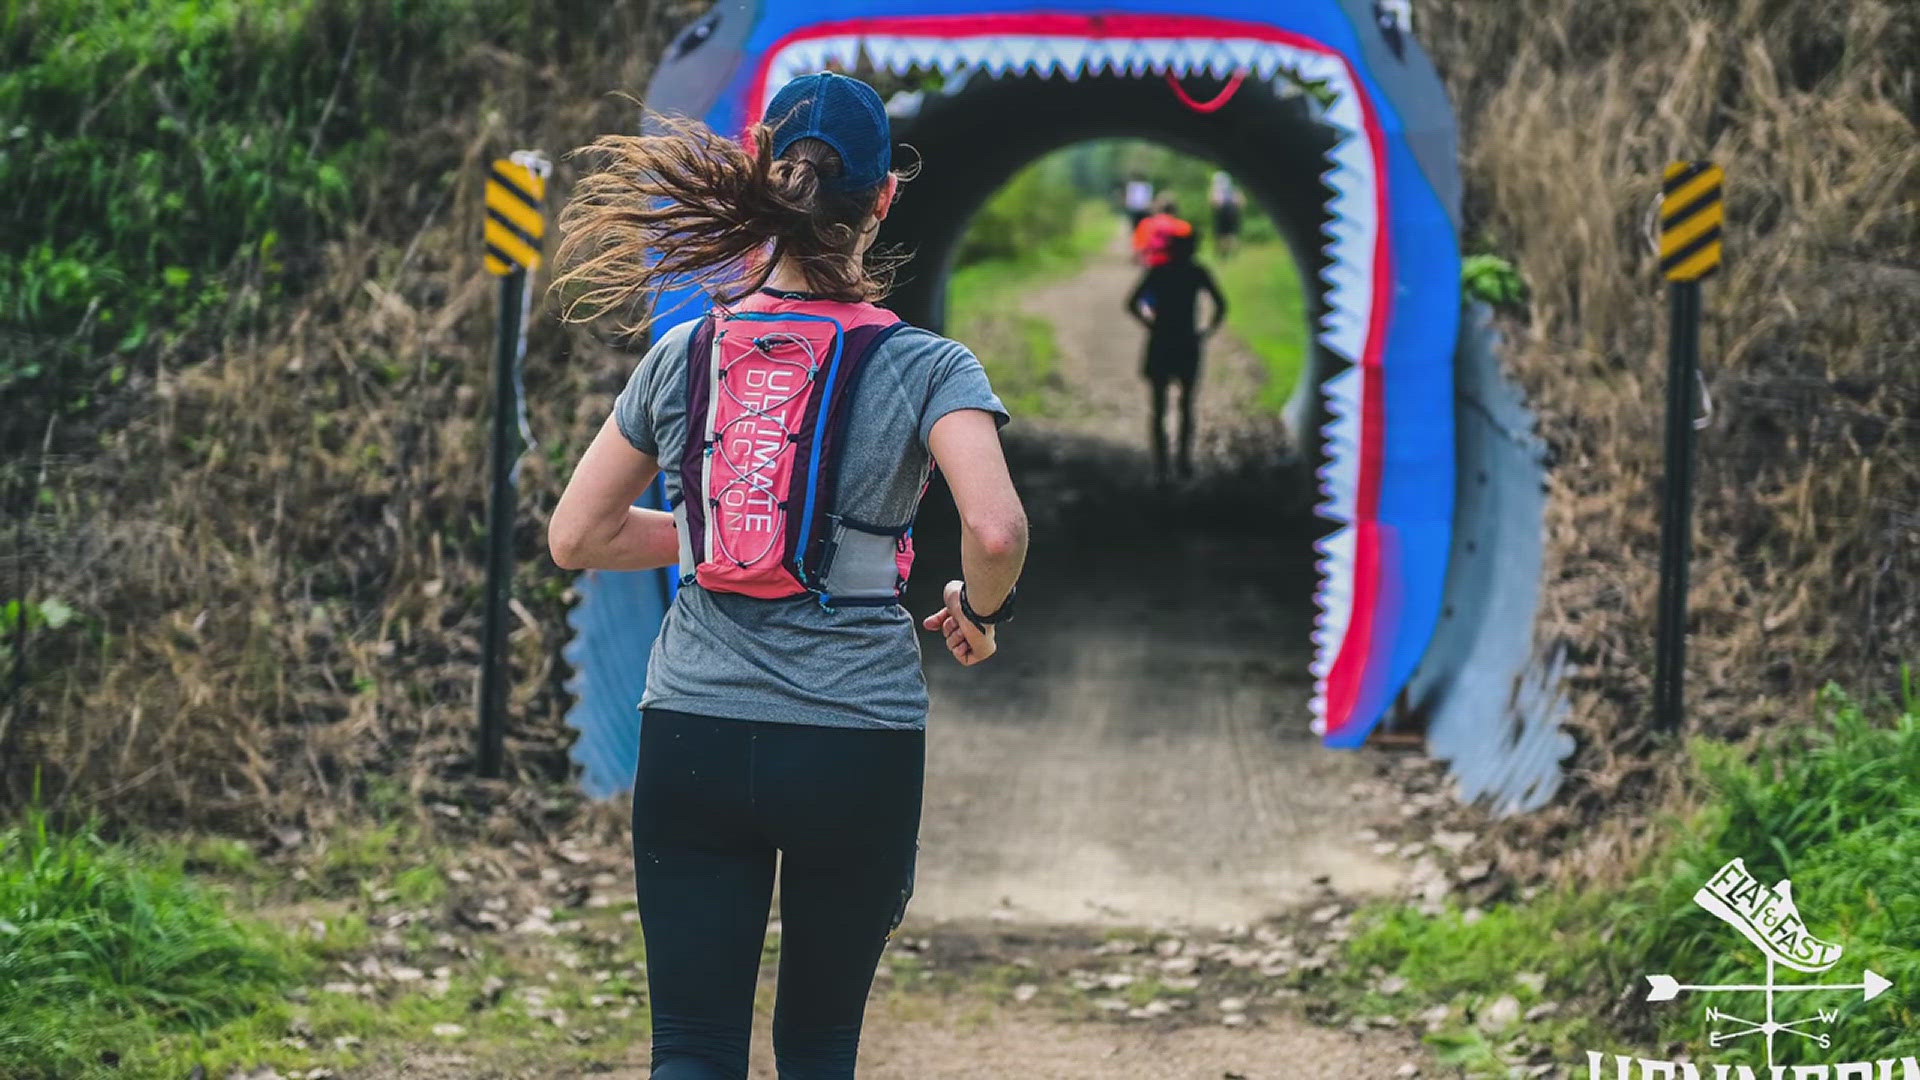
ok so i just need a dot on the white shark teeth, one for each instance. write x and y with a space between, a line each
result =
1334 597
1070 55
1268 62
1340 475
842 52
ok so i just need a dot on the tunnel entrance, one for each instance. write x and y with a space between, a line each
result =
1426 586
1360 174
1146 730
1246 526
1034 280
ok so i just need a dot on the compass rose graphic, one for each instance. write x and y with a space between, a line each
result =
1768 917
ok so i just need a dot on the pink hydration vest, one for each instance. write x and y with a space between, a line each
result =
770 386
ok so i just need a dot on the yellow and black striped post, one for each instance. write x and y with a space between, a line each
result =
1691 213
515 224
1691 216
516 212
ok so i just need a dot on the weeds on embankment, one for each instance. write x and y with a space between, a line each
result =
1805 531
269 540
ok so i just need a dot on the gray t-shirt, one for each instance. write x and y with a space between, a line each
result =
795 661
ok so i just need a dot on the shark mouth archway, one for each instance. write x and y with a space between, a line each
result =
1361 175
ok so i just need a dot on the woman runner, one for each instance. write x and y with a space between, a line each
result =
776 726
1166 301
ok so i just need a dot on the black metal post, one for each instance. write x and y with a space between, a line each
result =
500 515
1676 519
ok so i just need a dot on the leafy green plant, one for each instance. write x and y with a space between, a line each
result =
1492 279
1035 213
984 296
29 616
172 166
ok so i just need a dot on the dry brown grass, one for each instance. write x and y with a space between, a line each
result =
1808 503
276 547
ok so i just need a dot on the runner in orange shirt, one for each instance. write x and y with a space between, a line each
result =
1151 236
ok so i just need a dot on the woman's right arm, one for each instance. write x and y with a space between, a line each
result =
595 526
993 528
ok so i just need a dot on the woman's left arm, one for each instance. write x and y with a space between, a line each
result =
596 526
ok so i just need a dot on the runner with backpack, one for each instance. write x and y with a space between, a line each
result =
1155 231
1166 301
797 424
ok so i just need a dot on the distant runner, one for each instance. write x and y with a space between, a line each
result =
1226 214
1166 301
1152 235
1138 199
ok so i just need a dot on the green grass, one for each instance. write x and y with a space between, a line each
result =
105 956
1835 808
1018 349
128 960
1267 309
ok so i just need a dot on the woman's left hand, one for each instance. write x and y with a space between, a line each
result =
968 643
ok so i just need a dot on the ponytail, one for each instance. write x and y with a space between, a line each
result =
688 205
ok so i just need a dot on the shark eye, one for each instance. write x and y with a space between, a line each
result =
696 35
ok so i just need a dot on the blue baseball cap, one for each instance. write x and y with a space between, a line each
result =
842 112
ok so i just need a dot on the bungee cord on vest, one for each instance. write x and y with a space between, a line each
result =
763 446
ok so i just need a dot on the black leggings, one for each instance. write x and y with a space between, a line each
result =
712 802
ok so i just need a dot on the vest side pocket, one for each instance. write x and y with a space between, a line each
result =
865 562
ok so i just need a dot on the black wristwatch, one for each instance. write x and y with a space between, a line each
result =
1001 614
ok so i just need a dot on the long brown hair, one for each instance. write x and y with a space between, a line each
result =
687 204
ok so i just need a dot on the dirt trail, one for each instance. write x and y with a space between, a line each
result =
1139 753
955 1045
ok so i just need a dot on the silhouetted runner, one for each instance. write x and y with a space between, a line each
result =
1166 301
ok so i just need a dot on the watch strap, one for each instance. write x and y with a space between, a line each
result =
1000 614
